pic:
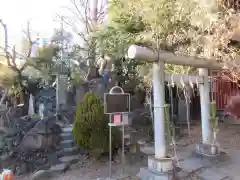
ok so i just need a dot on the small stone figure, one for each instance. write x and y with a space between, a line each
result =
41 111
31 105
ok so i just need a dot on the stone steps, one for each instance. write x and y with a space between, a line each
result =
70 149
67 143
67 129
67 151
69 159
65 156
66 136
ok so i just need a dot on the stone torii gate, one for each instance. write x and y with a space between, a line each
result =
160 164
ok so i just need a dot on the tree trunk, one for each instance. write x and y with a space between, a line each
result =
24 96
22 91
4 96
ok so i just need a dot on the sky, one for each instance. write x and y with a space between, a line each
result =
41 13
15 14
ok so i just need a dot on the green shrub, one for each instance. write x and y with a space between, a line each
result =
91 129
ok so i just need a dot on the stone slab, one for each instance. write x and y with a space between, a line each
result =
191 164
212 174
218 160
160 165
206 149
185 152
46 174
230 170
182 175
67 151
66 136
67 143
40 175
146 174
67 129
58 168
71 149
69 159
148 150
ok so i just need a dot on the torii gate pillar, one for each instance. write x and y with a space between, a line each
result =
205 107
158 105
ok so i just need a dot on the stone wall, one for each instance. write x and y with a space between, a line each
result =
28 133
40 141
26 145
80 92
95 85
3 119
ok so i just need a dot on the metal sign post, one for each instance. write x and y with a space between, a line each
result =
116 104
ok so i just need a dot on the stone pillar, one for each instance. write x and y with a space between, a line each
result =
206 147
31 108
205 107
158 103
62 89
80 92
41 111
159 166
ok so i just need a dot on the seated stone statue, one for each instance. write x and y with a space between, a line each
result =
106 67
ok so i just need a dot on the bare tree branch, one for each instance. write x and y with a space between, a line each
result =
71 24
101 13
13 56
85 17
84 21
30 45
82 11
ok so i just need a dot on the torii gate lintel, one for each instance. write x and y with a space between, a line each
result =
146 54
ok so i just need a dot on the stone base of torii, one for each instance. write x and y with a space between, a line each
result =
161 167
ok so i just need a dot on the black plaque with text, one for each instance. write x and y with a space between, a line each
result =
116 103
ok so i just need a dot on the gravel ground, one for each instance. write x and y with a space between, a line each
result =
92 170
228 138
101 171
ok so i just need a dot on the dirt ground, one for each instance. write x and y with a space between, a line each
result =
228 138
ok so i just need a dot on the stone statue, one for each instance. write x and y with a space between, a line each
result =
106 64
106 67
41 111
31 105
